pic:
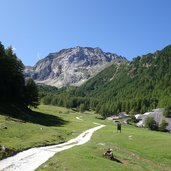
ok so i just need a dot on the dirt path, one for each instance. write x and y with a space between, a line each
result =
31 159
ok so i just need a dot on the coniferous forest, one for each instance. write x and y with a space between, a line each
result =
14 89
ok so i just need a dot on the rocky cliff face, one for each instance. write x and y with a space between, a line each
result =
71 66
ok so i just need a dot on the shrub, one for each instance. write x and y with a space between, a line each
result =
151 124
163 125
82 108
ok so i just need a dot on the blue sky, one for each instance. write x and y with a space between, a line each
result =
126 27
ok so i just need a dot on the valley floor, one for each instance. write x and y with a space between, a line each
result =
136 148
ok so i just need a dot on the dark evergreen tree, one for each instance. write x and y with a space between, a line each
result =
2 50
31 93
12 79
13 88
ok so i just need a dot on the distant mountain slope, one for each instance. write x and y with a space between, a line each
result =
72 66
138 86
98 83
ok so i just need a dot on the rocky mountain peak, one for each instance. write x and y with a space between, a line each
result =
72 66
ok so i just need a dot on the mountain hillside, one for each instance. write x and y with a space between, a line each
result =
72 66
138 86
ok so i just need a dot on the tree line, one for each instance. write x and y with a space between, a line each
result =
13 86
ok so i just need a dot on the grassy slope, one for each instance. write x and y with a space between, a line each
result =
23 133
147 150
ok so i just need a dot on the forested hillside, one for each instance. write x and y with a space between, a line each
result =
137 86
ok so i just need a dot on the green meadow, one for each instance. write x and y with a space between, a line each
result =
135 148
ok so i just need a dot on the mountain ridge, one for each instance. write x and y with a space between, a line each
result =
72 66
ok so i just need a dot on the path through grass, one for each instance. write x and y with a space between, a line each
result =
136 148
21 135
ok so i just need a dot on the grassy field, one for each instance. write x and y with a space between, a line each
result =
135 148
50 125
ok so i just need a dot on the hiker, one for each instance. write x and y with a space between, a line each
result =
109 154
119 127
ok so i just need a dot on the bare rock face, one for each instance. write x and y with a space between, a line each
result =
71 66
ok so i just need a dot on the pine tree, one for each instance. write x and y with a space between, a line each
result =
31 93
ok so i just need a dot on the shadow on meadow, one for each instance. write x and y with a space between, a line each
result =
27 115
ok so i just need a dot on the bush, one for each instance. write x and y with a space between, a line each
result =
151 124
47 100
82 108
132 120
167 111
163 125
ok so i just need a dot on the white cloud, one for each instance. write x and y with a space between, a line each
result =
14 49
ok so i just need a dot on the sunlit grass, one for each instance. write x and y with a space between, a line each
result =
21 135
136 148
